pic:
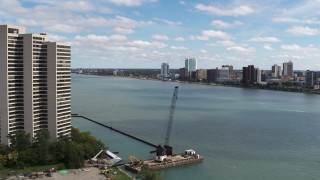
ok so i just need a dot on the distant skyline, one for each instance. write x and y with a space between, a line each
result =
146 33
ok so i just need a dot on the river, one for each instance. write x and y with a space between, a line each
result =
242 133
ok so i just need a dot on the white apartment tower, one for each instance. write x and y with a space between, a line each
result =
35 89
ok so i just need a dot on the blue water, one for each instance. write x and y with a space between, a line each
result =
242 133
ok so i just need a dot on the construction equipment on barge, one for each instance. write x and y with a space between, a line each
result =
164 154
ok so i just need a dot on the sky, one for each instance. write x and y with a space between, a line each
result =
146 33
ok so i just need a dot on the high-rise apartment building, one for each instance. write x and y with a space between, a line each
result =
310 79
276 71
35 89
248 74
164 69
224 72
191 64
288 69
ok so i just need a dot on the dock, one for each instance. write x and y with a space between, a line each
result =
171 161
116 130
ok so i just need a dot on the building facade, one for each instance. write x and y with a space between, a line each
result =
276 71
248 74
224 73
191 64
35 90
165 69
310 79
287 69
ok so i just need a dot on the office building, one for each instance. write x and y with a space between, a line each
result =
276 71
212 75
165 69
310 79
224 73
287 69
258 75
35 90
191 64
201 74
248 74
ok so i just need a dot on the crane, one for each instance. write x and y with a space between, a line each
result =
162 152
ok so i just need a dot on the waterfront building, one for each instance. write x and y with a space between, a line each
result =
248 74
201 74
310 79
183 73
287 69
191 64
212 75
35 90
276 71
258 75
165 69
230 67
224 73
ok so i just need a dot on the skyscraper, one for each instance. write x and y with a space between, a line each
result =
165 69
310 79
248 74
35 90
288 69
191 64
276 71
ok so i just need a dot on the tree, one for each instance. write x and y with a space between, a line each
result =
75 156
41 145
20 141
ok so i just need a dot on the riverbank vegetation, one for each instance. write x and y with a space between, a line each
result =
25 151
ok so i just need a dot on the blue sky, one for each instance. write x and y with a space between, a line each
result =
145 33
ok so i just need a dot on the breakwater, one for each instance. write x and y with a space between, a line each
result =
113 129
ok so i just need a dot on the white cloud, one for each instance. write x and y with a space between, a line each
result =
295 47
182 2
179 47
147 44
207 34
299 31
221 24
96 39
293 20
161 37
265 39
56 38
241 49
130 2
168 22
286 56
62 28
80 6
123 30
225 43
268 47
237 11
178 39
203 51
126 2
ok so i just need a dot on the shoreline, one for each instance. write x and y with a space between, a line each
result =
210 84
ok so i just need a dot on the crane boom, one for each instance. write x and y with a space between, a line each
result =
171 114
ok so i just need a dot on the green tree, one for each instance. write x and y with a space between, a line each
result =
41 145
20 141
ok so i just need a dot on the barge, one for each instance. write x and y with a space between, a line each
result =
189 157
